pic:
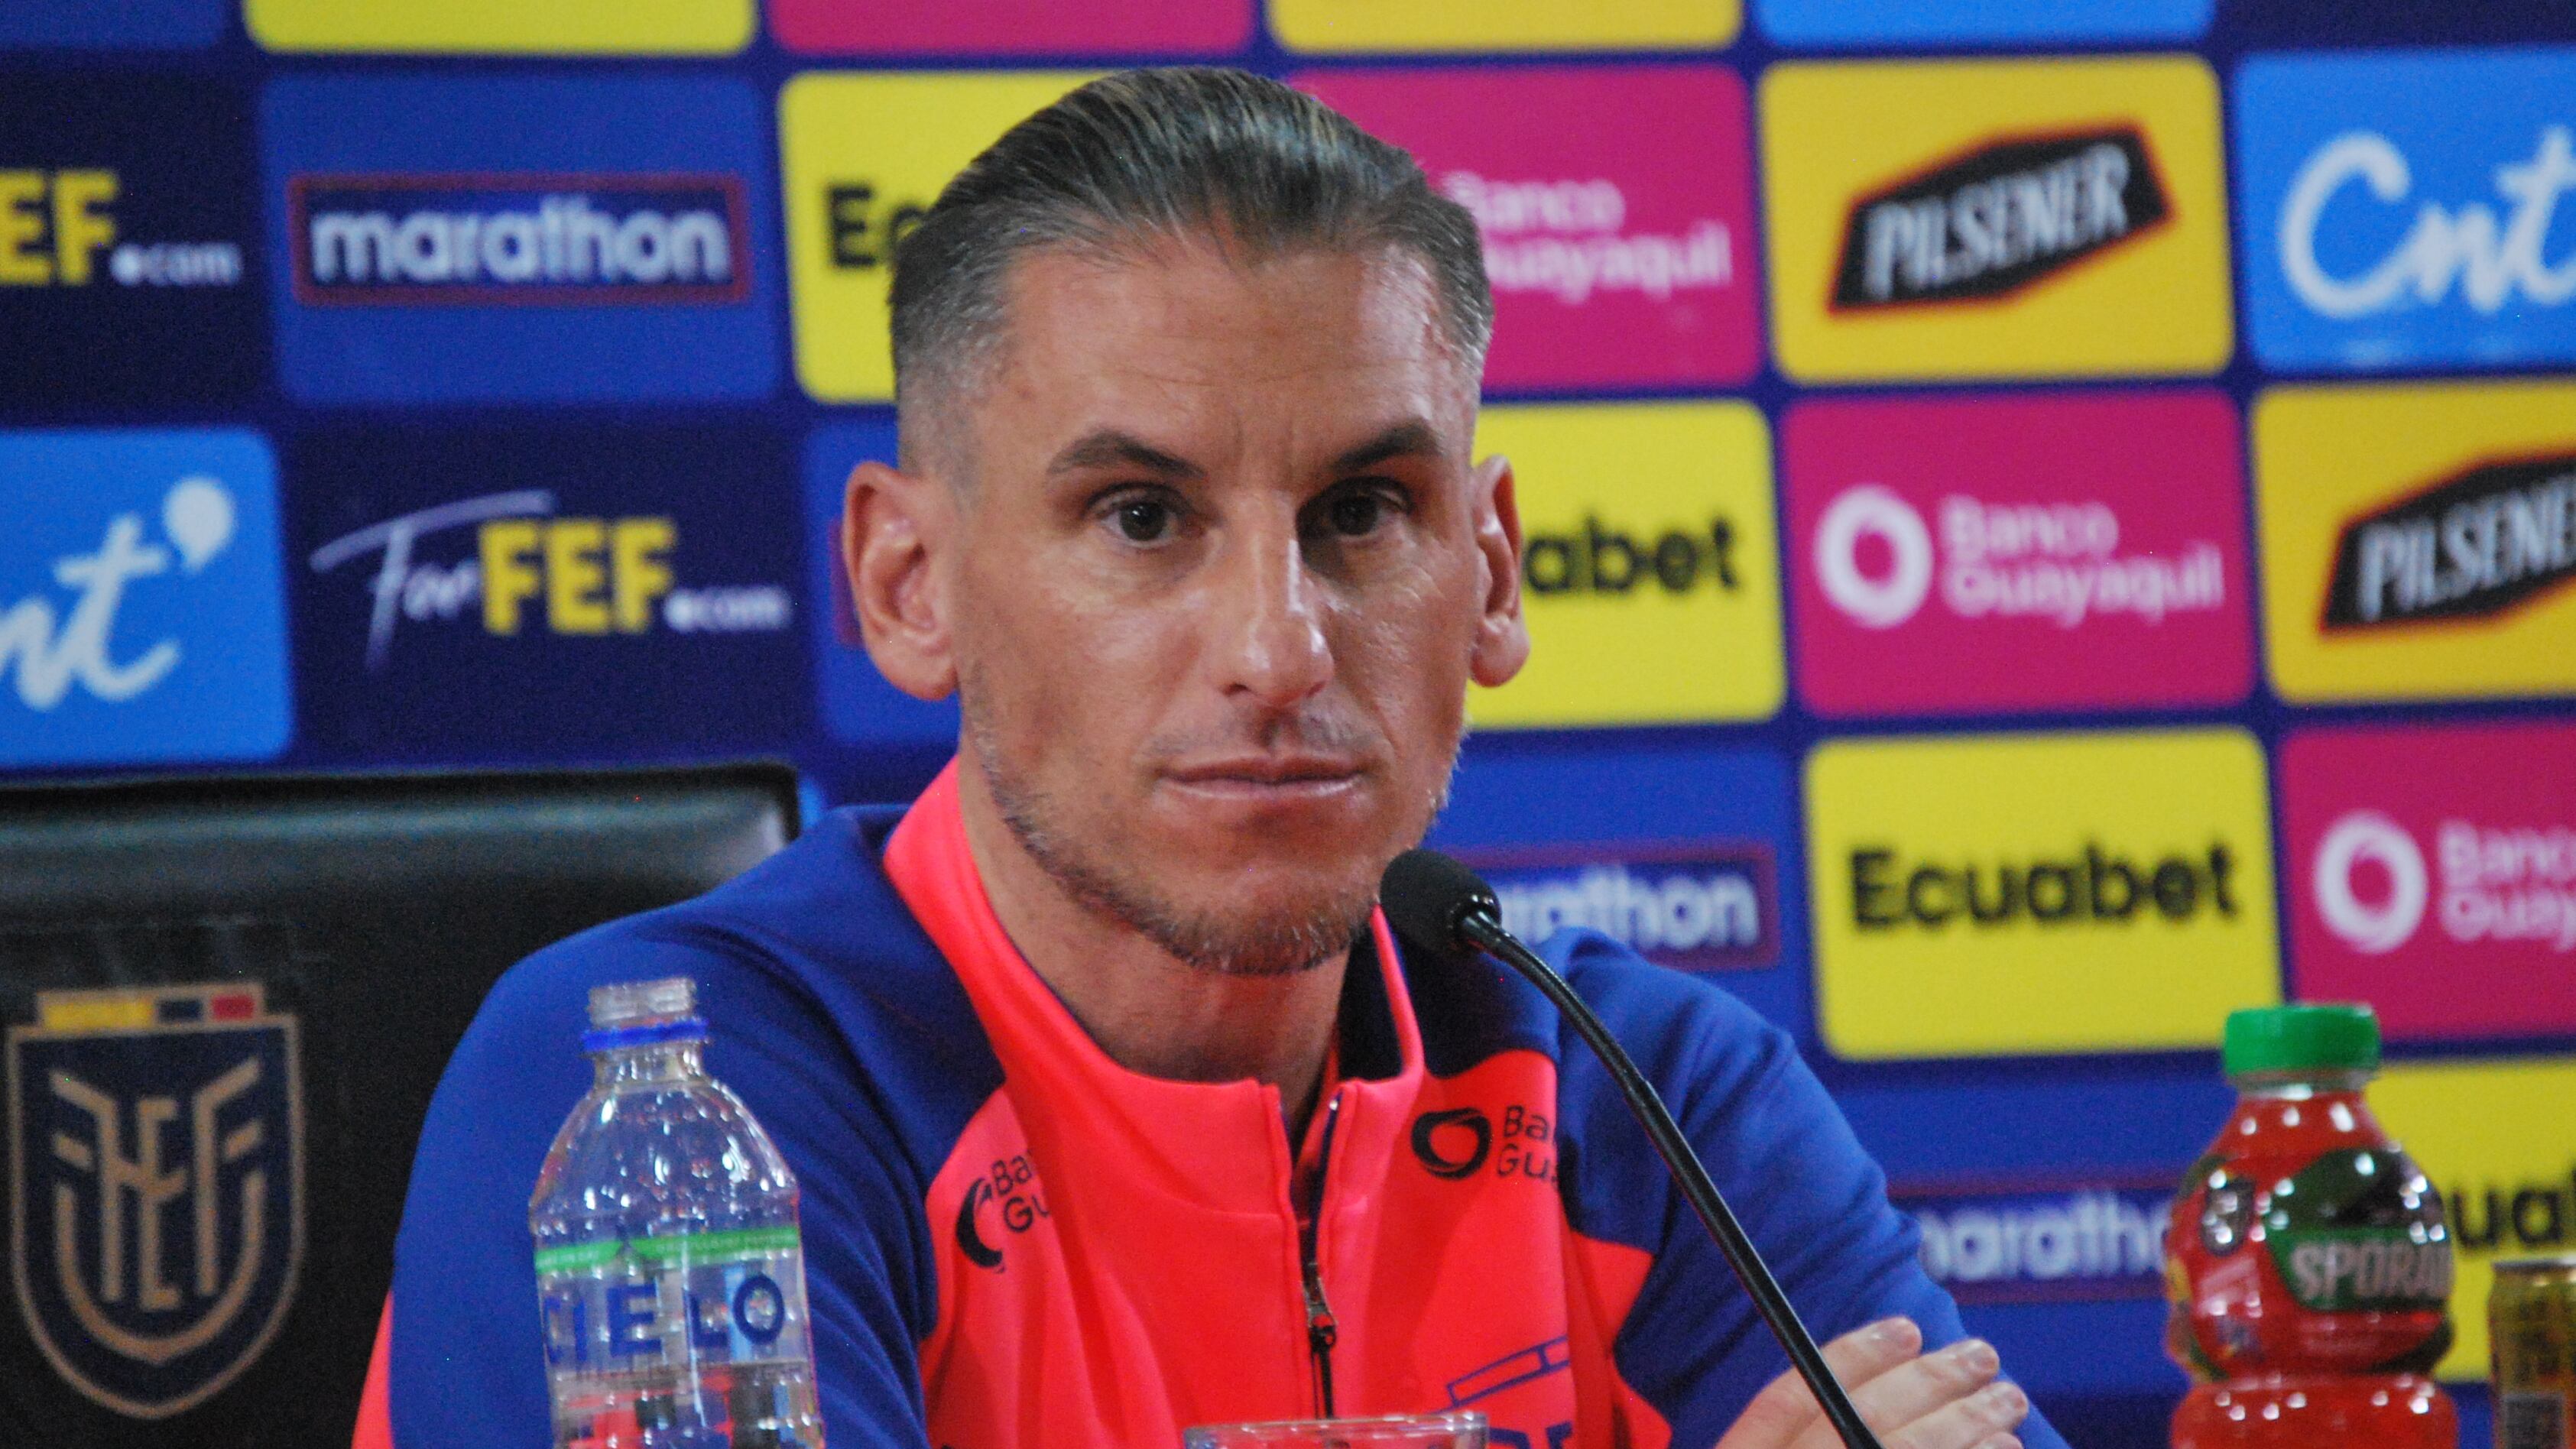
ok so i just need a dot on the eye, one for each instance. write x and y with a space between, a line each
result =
1143 520
1360 511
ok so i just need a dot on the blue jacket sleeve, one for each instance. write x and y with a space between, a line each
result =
467 1360
1810 1196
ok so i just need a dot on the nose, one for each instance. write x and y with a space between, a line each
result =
1269 613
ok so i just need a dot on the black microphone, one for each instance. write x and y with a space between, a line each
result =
1432 898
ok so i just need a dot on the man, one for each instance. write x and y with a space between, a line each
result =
1115 1107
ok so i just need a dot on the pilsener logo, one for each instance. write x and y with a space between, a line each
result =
474 240
2005 218
2473 545
1998 219
2438 868
1708 907
2057 893
1642 524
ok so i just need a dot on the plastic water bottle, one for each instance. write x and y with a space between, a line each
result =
670 1278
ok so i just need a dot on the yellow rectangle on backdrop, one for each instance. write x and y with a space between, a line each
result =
503 27
2037 894
1364 25
2006 218
862 156
2498 1140
2417 539
1651 574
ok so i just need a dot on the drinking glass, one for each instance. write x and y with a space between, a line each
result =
1463 1430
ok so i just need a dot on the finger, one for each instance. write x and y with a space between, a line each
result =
1967 1423
1915 1388
1785 1408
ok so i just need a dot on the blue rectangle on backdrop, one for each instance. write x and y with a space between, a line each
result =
497 239
1829 23
1685 852
2402 208
121 25
141 615
858 706
549 592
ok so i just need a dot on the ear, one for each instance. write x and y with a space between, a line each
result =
893 527
1502 643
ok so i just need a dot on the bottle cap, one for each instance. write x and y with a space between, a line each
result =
2288 1040
633 1003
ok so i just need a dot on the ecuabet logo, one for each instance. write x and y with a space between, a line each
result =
2440 874
2053 893
2419 541
1642 525
2022 552
2401 207
582 239
1692 907
1616 207
157 1153
1996 218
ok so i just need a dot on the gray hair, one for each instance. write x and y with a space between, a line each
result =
1170 154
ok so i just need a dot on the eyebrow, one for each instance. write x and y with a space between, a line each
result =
1411 438
1110 448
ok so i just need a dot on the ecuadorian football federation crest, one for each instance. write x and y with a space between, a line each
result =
157 1147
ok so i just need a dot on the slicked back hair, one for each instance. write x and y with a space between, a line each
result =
1151 156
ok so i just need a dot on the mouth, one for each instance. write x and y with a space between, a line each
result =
1269 779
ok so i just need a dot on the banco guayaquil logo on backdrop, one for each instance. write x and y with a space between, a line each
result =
2035 894
2419 541
1996 218
459 240
864 156
142 617
2019 552
127 224
2434 871
2401 208
157 1153
1649 569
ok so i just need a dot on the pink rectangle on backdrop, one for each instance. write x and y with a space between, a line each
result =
1012 27
1616 204
2432 873
2018 552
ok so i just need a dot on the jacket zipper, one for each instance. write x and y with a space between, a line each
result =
1321 1331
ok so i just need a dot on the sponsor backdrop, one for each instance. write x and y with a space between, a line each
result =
2048 520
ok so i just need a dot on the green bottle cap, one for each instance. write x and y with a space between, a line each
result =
2290 1040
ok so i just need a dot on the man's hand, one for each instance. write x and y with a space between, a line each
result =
1912 1399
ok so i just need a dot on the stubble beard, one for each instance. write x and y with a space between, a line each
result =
1313 933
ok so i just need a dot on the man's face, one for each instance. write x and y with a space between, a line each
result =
1223 573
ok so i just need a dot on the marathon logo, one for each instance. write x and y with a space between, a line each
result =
2004 1246
2091 887
1693 908
1998 219
2470 547
479 240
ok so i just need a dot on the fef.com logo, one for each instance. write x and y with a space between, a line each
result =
864 157
157 1146
126 226
2058 893
2419 541
1649 567
1616 207
1996 218
2435 871
2402 208
2018 553
141 613
454 240
1693 907
596 590
535 239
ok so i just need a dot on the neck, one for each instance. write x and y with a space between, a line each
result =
1150 1011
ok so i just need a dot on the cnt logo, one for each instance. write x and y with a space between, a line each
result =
518 238
57 649
60 228
1877 561
2488 255
2374 886
1692 907
531 568
1997 219
2472 546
